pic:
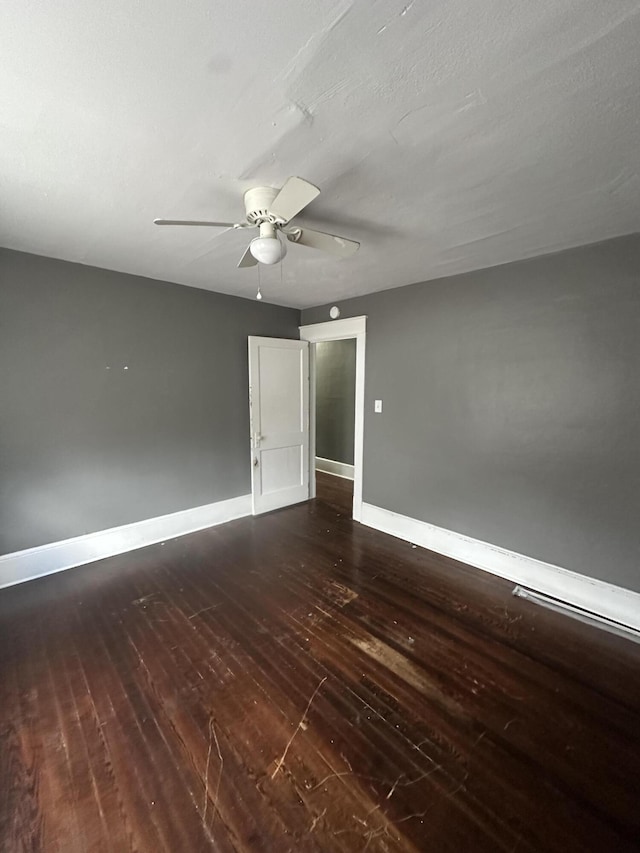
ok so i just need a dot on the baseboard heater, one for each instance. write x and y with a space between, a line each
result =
577 613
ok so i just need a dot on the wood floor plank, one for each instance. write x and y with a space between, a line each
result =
21 790
299 682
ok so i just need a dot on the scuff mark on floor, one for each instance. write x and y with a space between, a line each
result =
402 667
297 729
204 610
212 737
316 820
146 599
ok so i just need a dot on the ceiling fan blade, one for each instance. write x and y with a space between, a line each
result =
247 260
295 195
199 222
339 246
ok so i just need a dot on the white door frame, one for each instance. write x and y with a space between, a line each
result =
339 330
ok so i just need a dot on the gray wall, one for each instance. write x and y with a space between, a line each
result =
512 406
335 400
85 444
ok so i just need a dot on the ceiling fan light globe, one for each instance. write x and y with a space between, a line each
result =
267 250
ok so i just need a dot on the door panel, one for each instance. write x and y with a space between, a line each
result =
280 469
280 390
279 406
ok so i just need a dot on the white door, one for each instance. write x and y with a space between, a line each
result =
279 407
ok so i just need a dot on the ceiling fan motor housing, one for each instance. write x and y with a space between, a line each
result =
257 203
271 210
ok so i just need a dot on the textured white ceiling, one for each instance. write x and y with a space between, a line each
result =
445 135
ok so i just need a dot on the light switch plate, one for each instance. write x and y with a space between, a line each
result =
377 406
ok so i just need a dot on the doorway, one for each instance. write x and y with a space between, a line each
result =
337 414
335 402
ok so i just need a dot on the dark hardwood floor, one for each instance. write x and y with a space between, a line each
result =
298 682
335 492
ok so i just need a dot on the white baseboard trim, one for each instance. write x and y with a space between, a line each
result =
55 557
595 596
340 469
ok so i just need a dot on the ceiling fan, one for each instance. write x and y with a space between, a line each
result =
271 211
